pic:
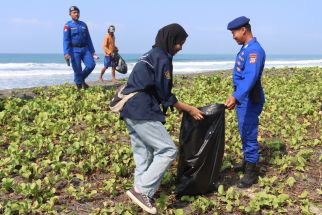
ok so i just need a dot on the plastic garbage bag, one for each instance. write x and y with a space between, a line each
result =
201 151
119 63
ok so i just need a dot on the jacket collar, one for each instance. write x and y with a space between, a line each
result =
252 41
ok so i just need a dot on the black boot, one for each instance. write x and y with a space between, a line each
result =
85 86
79 87
240 167
250 177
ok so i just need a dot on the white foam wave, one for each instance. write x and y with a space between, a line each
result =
30 66
25 70
203 63
294 62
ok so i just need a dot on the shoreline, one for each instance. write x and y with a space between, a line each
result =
27 93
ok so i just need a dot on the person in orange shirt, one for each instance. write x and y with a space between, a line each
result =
109 49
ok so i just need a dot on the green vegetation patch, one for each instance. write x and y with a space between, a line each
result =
65 152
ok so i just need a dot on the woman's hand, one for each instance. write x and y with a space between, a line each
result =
193 111
196 113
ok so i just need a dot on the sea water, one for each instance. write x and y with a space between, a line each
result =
31 70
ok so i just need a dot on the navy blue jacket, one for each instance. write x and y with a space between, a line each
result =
152 78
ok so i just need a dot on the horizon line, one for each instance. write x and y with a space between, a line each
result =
3 53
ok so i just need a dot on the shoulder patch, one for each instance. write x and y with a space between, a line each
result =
167 75
65 28
252 58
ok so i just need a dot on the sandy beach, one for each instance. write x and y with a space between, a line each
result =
27 93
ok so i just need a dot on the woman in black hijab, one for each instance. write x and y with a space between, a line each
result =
152 147
169 36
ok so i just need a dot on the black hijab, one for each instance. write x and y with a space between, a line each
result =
169 36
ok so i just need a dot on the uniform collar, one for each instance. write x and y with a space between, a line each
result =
254 40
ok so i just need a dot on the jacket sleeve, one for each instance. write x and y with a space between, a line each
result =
251 74
66 39
89 41
163 82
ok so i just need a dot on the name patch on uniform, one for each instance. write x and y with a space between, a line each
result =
65 28
73 28
252 58
167 75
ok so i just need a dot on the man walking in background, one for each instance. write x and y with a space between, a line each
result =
248 97
109 49
78 47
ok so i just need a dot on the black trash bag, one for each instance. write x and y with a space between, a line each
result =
119 63
201 151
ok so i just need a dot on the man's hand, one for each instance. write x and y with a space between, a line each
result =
230 103
67 57
95 56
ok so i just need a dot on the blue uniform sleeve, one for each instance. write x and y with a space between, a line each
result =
251 74
163 81
66 39
89 41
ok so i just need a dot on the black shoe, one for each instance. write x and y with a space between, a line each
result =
85 86
79 87
142 200
240 167
250 177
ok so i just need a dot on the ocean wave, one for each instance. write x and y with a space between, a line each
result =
30 66
8 70
294 62
203 63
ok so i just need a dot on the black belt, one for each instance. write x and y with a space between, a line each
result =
78 45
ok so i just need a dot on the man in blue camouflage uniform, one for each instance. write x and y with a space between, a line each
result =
78 47
248 97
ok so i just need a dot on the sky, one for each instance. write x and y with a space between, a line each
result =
281 26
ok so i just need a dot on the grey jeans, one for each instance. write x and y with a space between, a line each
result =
153 151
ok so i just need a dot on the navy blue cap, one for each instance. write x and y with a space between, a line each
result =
72 8
238 23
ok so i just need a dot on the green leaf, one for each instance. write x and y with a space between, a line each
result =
221 190
178 212
290 181
304 194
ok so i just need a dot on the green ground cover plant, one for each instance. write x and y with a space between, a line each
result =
64 152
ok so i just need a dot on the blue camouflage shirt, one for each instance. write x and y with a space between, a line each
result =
152 78
76 33
248 70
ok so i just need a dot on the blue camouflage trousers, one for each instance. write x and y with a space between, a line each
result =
248 120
